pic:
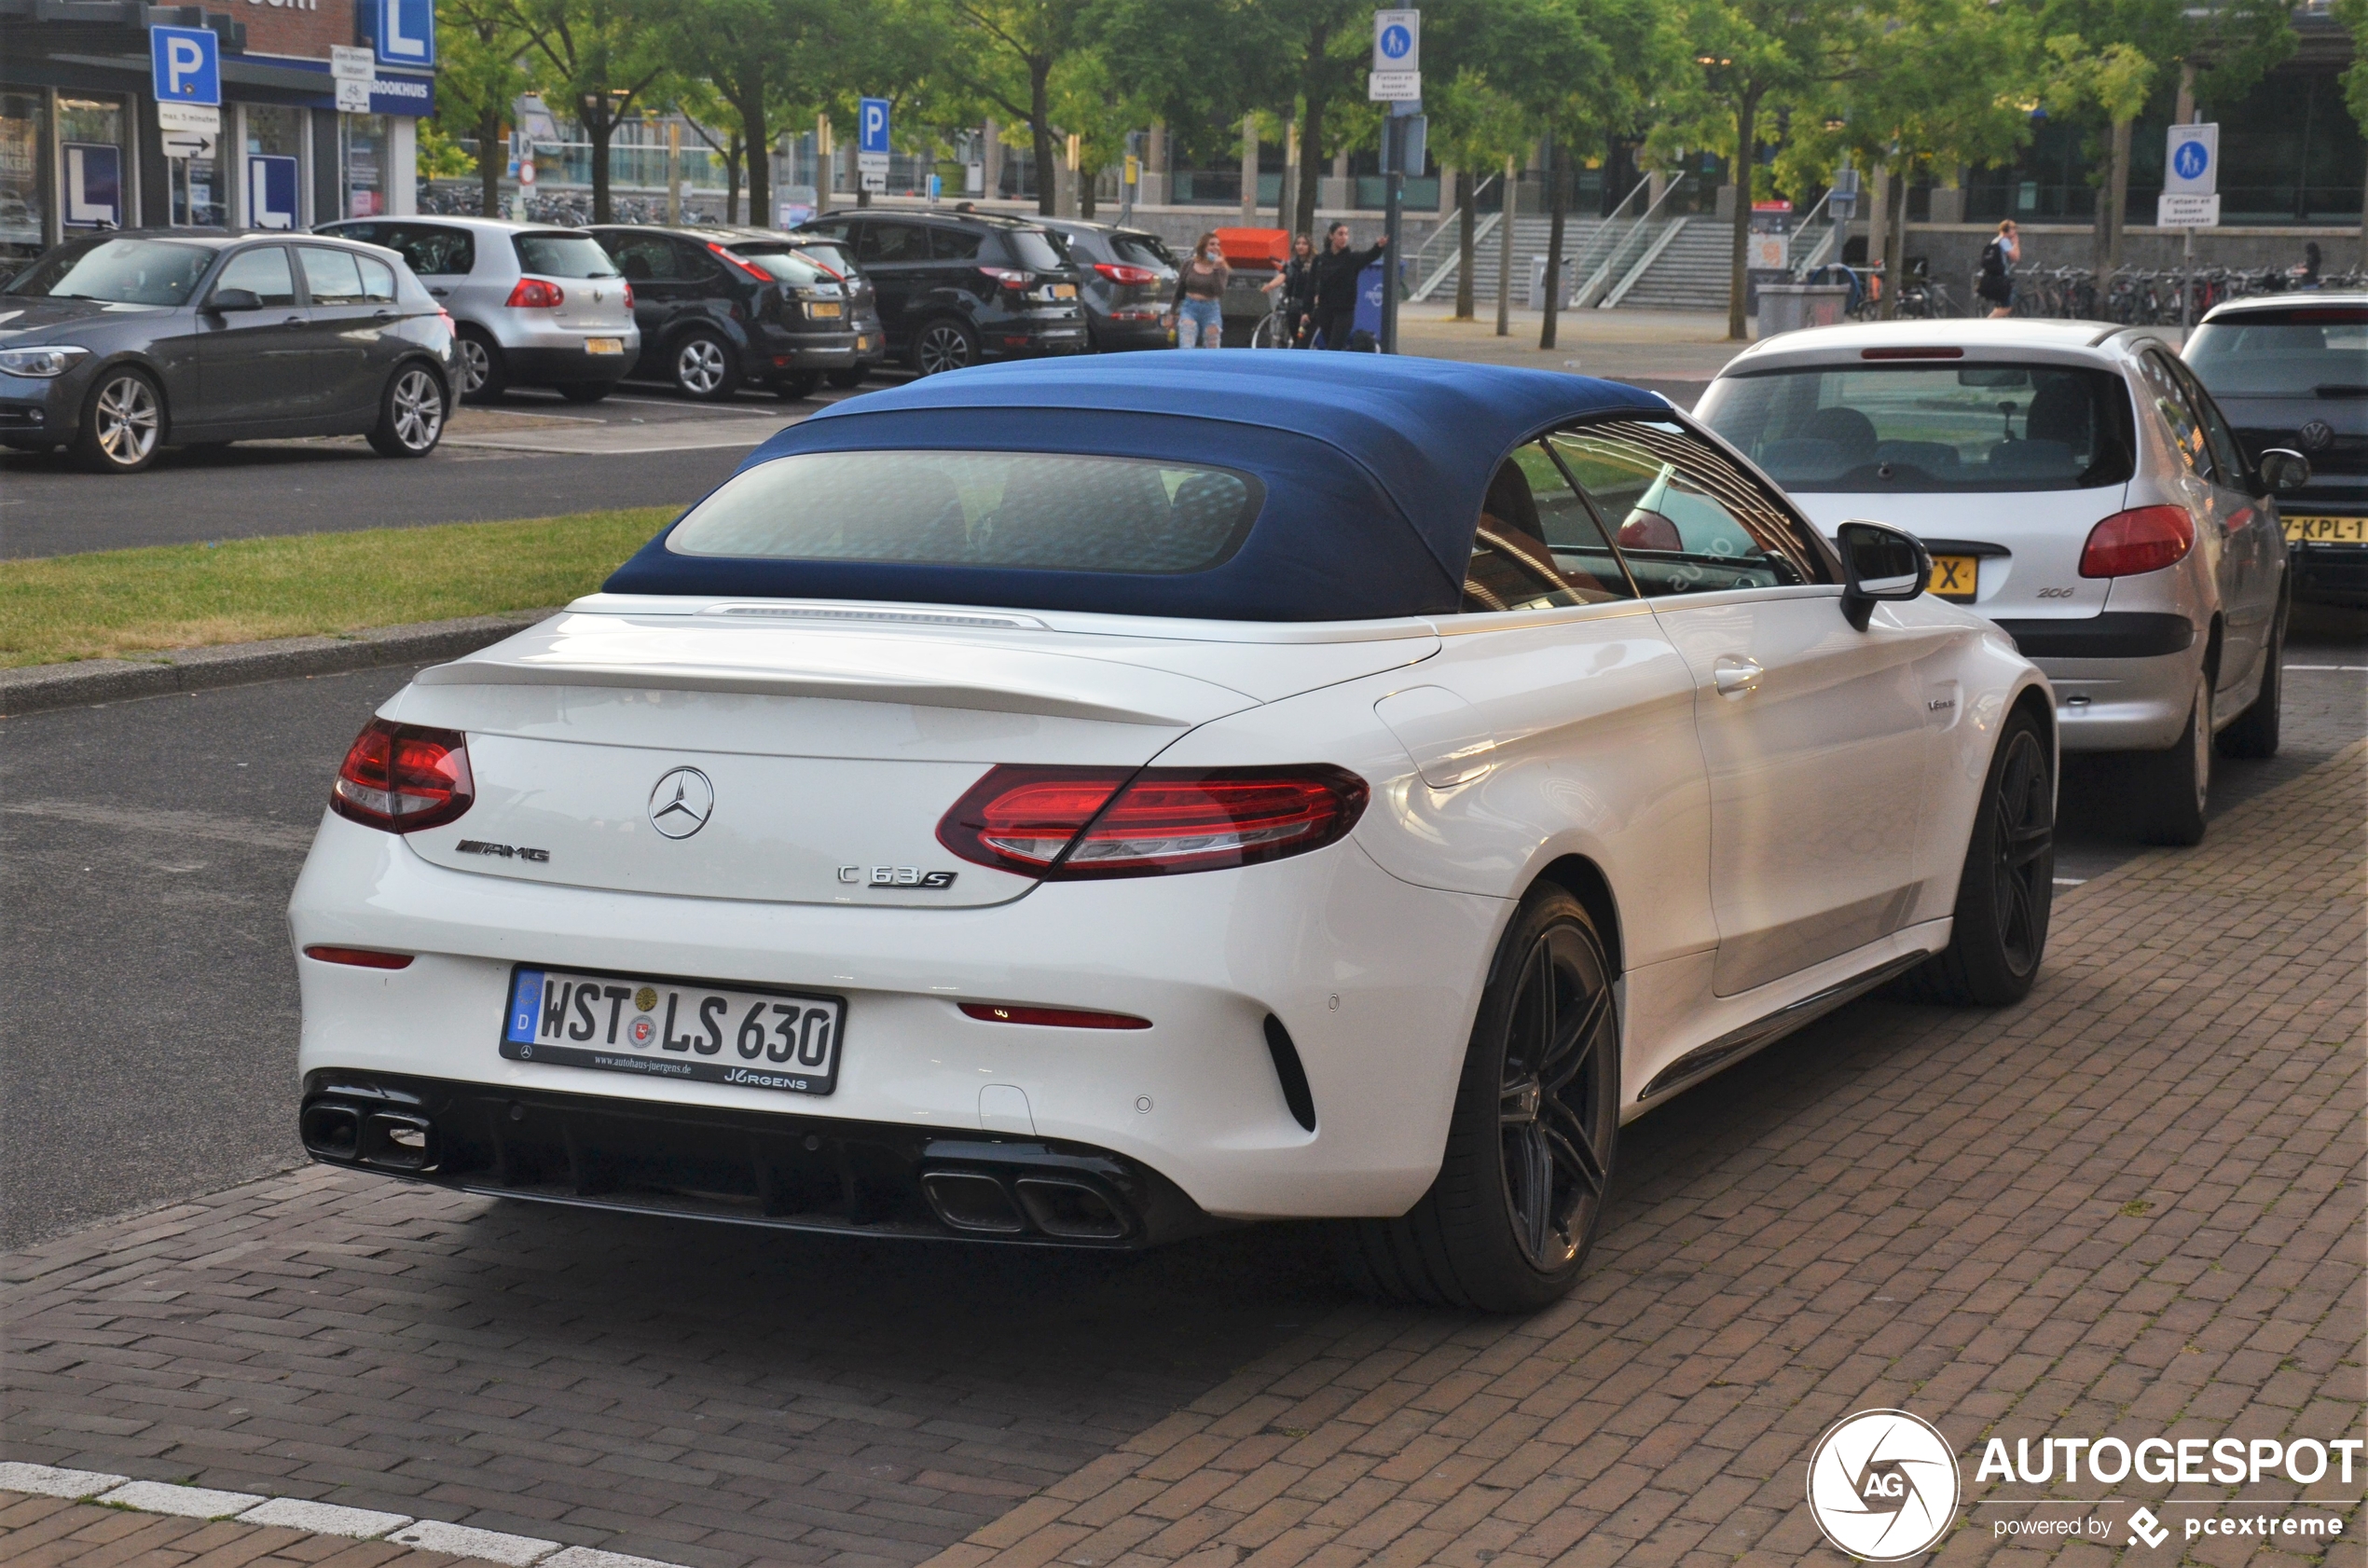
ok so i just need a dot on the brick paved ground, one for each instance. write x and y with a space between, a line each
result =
43 1532
2131 1205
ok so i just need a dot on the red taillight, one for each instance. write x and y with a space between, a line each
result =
445 317
1008 277
2145 539
1071 823
759 273
1911 353
1118 272
360 958
1052 1017
628 296
535 294
402 777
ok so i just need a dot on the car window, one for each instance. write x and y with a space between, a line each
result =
120 271
377 278
836 258
778 260
694 261
1036 249
2227 457
1929 429
264 271
429 249
953 244
1038 511
2168 399
1538 544
2287 353
552 254
1685 518
642 258
1141 249
880 243
330 276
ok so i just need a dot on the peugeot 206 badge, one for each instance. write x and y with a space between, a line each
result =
682 803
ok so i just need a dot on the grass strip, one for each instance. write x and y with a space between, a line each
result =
127 603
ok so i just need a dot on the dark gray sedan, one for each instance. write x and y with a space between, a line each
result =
120 344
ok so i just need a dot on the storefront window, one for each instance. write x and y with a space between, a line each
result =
363 142
21 215
197 193
274 165
94 164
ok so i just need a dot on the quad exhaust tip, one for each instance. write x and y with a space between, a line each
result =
386 1140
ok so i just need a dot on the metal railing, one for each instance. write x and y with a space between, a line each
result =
1445 237
1614 268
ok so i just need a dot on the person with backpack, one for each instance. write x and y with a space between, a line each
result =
1998 259
1336 274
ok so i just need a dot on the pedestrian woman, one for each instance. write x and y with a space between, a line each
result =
1297 280
1198 310
1998 259
1336 273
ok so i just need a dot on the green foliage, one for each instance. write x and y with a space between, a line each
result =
441 157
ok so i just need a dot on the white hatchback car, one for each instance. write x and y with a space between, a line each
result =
2076 484
1082 802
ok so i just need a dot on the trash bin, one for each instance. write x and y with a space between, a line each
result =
1537 280
1790 307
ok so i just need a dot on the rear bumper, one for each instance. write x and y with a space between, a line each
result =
2332 573
788 1172
543 366
1002 339
774 351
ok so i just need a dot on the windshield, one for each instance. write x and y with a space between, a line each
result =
782 262
120 271
1039 511
1037 250
1929 429
2306 352
562 255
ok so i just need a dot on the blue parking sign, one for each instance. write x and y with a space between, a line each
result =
871 125
406 32
187 64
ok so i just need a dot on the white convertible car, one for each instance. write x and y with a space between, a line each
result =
1084 804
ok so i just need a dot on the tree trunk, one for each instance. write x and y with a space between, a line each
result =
600 128
1557 203
1311 130
1039 122
1465 222
2363 228
492 157
2117 212
1894 197
1086 179
731 179
1504 248
756 134
1898 249
1746 157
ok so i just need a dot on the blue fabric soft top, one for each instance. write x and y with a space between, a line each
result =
1374 468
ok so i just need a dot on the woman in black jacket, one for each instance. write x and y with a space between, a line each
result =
1336 272
1297 280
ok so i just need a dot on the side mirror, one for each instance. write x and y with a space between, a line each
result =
2284 469
1878 563
222 301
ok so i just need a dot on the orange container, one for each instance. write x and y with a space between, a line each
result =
1268 248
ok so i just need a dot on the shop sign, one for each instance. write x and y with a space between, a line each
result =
94 184
271 191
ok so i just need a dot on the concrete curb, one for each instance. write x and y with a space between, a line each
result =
38 687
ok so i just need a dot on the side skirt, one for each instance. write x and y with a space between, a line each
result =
1736 1044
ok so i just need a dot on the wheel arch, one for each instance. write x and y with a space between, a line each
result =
129 360
1584 881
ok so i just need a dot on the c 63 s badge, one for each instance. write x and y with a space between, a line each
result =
895 877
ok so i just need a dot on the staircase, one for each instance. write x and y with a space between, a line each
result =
1690 273
1530 235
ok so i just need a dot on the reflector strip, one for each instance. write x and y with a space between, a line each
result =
1055 1017
360 958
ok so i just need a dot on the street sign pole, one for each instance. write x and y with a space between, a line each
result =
1394 145
1396 79
2190 200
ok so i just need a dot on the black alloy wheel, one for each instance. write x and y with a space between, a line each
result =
944 344
410 414
122 423
1528 1171
483 376
2006 891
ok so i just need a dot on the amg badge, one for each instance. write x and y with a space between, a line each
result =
507 851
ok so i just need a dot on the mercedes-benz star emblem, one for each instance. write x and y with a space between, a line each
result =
2316 435
681 804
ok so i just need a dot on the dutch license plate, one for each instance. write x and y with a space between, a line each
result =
1955 577
604 345
863 345
1063 291
2327 530
750 1038
825 310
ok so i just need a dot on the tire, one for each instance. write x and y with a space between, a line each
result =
2008 886
484 376
586 392
411 413
944 343
1521 1191
847 380
2169 788
2254 732
122 423
703 366
796 384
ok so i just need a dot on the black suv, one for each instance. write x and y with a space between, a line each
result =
720 307
955 288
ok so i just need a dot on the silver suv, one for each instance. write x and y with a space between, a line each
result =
2076 484
532 305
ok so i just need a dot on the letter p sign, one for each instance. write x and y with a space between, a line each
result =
186 63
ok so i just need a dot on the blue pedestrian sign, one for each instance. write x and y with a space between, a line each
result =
2191 160
187 66
1398 40
871 125
406 32
1395 41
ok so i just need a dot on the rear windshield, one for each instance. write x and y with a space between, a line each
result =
827 254
1036 250
1141 249
1032 511
1929 429
120 271
782 262
2306 352
562 255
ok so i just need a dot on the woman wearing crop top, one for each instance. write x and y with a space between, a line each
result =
1198 311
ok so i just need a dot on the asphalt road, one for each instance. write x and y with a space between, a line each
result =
146 853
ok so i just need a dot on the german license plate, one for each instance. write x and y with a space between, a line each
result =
1062 291
825 310
604 345
2327 530
742 1036
1955 577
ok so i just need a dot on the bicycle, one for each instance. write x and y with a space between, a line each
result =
1279 329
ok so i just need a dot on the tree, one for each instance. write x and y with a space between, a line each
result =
755 56
1019 43
1474 126
598 60
478 77
2353 14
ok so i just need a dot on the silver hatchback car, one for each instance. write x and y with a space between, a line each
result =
2076 484
533 305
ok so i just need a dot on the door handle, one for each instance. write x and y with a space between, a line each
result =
440 294
292 320
382 315
1736 677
